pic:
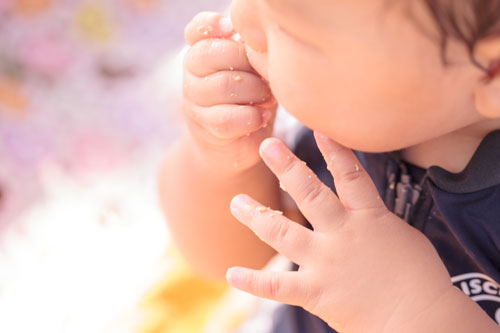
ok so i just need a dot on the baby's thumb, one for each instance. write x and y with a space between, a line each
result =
208 25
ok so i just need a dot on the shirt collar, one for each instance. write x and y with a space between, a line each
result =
482 171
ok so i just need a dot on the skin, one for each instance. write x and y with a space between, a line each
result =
368 78
217 157
356 247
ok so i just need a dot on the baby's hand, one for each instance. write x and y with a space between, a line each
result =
362 269
228 106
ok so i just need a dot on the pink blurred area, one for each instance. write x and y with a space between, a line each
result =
88 99
85 86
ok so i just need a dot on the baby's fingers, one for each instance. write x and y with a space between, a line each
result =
284 287
228 121
226 88
208 25
287 237
213 55
354 186
315 200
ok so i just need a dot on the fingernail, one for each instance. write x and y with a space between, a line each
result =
226 26
266 116
272 151
240 205
233 275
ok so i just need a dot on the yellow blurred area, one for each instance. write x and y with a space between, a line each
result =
94 23
183 302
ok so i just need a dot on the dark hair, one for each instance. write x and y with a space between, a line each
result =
468 21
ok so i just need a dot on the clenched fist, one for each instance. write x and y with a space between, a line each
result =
228 105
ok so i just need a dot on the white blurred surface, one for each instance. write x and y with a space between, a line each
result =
82 258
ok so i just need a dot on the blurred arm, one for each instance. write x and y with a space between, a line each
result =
195 200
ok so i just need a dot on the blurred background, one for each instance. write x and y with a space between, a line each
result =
88 98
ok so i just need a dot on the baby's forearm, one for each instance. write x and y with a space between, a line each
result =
196 199
454 312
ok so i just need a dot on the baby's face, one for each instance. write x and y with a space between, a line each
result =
368 73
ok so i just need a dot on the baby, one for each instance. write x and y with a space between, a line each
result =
406 236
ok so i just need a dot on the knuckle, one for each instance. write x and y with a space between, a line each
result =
188 83
279 231
202 18
253 283
351 176
311 193
193 55
199 56
202 49
274 287
290 165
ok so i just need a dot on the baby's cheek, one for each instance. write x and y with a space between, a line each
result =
297 70
300 83
327 94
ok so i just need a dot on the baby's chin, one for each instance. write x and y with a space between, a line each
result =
365 142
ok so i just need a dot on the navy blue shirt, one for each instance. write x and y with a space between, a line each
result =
459 213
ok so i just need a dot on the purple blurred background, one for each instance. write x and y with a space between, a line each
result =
85 86
88 97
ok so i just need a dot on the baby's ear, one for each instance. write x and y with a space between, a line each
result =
487 99
487 92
